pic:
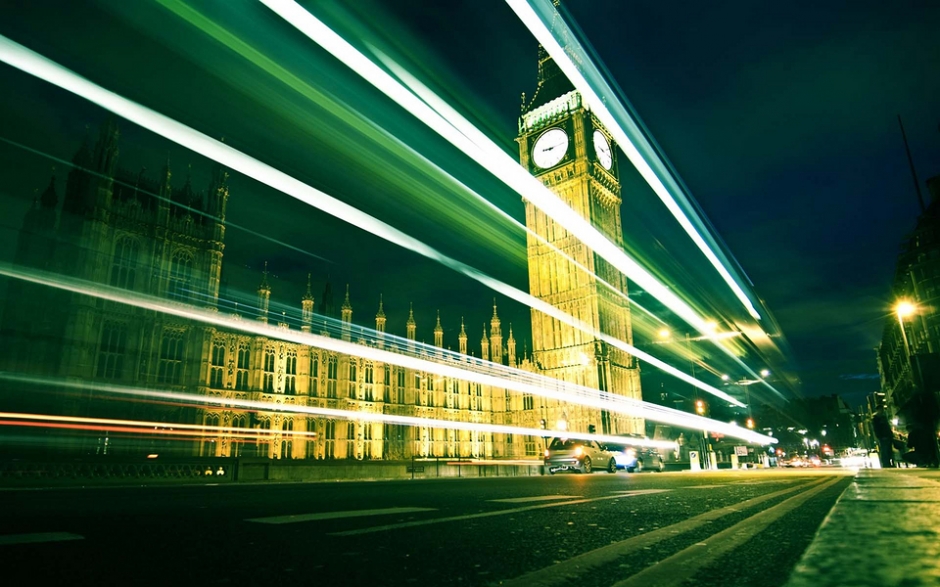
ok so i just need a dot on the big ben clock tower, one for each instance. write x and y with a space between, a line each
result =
562 144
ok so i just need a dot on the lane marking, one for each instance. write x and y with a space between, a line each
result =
335 515
38 538
533 498
682 566
492 514
568 572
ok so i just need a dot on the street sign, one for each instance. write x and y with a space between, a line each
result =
741 451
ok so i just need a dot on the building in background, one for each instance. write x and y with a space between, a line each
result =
909 353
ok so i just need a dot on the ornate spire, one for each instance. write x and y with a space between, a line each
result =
346 305
462 338
264 279
264 296
438 332
380 319
346 309
381 312
309 294
410 326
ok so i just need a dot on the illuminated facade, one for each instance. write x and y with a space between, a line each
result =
564 146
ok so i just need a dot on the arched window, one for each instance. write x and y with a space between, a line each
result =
269 370
241 373
290 373
329 434
171 357
111 350
331 377
216 375
124 265
180 285
314 374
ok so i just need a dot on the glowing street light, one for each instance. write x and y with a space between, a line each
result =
765 372
725 377
905 309
664 333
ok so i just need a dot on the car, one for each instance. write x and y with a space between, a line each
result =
582 456
634 457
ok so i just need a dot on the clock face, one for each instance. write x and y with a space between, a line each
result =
602 150
550 148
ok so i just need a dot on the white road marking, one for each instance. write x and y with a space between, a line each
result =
335 515
37 538
534 498
414 523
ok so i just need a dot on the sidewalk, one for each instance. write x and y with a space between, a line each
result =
884 531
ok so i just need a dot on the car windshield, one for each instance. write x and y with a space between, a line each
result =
565 444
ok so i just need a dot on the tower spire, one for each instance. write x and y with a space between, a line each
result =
438 332
410 326
462 338
306 305
264 296
380 320
346 315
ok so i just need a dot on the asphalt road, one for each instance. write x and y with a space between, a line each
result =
725 528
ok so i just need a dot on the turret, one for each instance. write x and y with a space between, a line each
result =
438 332
264 296
306 308
462 338
511 348
380 321
346 315
496 337
485 345
410 326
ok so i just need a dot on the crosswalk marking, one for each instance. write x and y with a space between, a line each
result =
37 538
534 498
335 515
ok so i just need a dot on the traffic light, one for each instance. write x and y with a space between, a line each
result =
700 407
542 424
750 423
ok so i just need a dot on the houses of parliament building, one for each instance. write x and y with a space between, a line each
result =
151 236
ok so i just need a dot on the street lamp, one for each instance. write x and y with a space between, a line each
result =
905 309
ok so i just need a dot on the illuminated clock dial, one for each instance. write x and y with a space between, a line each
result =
550 148
602 150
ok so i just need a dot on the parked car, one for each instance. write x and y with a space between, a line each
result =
583 456
635 457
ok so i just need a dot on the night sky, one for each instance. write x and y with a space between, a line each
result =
781 119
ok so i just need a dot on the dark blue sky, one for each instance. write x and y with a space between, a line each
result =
780 119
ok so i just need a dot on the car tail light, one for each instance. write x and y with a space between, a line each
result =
547 453
579 451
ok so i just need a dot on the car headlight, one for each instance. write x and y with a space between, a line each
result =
579 451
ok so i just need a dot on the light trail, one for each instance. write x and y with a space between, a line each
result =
31 62
484 151
355 415
149 425
458 367
140 432
566 57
